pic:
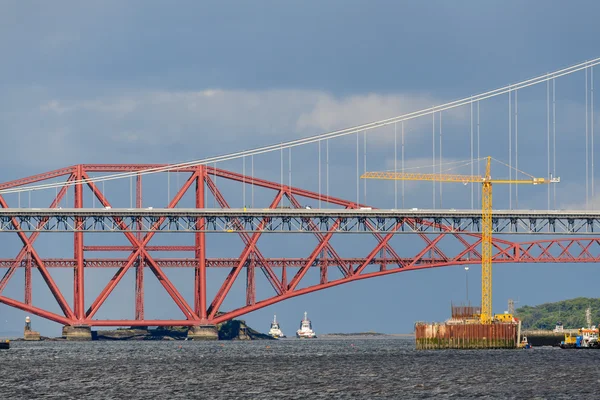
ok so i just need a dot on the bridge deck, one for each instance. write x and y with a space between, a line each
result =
283 211
290 220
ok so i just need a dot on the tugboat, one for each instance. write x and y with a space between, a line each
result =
305 331
4 344
275 330
587 338
524 343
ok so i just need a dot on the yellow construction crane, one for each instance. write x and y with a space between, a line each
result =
486 217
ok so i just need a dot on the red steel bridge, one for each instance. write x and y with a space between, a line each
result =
140 225
437 237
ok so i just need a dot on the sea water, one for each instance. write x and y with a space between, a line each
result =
359 368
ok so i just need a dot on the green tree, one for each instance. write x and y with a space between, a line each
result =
570 312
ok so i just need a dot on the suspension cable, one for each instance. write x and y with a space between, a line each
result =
330 135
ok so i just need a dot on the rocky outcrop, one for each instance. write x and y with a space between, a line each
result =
230 330
159 333
238 330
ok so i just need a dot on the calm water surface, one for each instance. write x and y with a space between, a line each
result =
379 368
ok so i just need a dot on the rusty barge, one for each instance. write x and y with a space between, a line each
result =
465 331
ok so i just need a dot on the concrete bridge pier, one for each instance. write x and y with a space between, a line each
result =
203 332
77 332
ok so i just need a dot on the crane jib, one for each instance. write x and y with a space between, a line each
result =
486 216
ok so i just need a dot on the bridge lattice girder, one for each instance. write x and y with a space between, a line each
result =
381 260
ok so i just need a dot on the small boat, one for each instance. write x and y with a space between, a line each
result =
275 330
524 343
4 344
305 331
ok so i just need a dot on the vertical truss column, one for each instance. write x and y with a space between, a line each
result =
141 262
250 285
78 290
28 280
284 281
324 265
200 275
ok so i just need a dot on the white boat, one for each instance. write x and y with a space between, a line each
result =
275 330
305 331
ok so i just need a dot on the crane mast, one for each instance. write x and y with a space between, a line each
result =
486 217
486 246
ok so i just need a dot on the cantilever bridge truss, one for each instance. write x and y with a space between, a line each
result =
286 276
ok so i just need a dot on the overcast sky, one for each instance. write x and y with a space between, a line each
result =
150 81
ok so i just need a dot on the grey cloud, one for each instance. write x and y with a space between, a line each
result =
331 113
209 121
263 45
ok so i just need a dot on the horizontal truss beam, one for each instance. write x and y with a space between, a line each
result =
581 250
297 221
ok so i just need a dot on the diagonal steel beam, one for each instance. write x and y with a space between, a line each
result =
37 178
226 286
427 248
41 267
387 246
377 248
469 248
93 309
9 273
566 250
36 311
300 274
433 246
343 268
175 295
265 268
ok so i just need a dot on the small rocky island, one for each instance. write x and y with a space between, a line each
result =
229 330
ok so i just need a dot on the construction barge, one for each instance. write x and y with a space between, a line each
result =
464 330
